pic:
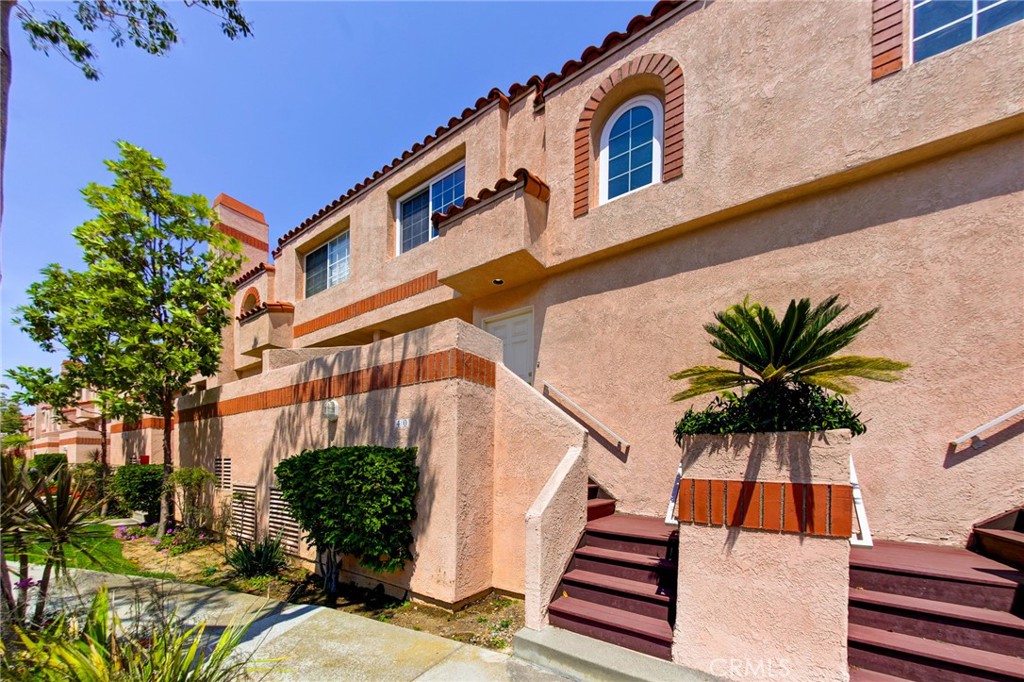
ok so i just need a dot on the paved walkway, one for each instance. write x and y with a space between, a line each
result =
314 642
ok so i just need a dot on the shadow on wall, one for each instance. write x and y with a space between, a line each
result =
955 455
364 419
760 448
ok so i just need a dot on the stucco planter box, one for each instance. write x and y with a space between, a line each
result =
764 526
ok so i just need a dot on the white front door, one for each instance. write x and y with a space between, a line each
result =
516 331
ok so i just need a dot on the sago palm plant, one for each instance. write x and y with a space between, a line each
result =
799 349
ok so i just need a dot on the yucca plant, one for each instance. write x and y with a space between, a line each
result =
102 650
17 490
799 349
260 557
786 370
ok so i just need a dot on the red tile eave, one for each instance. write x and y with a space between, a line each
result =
267 307
531 184
249 274
535 83
637 24
495 95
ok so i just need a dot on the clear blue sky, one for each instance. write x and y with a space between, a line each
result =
323 94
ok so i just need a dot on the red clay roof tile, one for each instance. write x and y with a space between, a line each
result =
531 185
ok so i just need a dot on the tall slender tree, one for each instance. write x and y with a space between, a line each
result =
159 277
145 316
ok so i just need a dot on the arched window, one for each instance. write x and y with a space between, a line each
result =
631 147
251 300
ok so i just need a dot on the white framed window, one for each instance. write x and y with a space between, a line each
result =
631 147
413 210
328 265
939 25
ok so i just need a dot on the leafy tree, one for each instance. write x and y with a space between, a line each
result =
799 349
143 23
158 272
11 425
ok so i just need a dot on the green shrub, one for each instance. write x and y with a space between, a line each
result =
181 540
260 557
139 486
45 463
770 409
359 500
91 476
194 486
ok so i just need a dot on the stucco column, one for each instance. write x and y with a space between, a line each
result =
764 527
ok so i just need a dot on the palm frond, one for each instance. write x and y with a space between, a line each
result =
704 379
835 368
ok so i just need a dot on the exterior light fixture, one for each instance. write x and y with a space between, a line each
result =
497 281
330 410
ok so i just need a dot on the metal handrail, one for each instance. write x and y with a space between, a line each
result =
973 435
622 443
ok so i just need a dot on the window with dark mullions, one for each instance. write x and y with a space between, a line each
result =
328 265
939 25
414 210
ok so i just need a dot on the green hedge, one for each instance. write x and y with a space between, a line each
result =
45 463
360 500
138 487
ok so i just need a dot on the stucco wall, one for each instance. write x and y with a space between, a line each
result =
939 254
755 600
531 436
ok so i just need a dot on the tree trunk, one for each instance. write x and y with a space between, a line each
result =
167 500
104 466
19 546
328 561
44 589
6 7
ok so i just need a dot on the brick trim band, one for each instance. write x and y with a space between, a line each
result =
384 298
247 239
83 441
144 423
440 366
886 38
668 70
813 508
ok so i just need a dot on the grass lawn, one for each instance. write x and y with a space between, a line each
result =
104 547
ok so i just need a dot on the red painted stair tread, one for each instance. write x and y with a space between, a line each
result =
948 563
865 675
977 659
624 557
610 582
645 626
939 608
634 526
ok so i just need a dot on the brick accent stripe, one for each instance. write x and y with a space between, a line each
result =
886 37
144 423
440 366
384 298
813 508
83 441
671 74
243 237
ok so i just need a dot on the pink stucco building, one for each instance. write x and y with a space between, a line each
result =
511 294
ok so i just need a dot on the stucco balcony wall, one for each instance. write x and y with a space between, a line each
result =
391 393
261 332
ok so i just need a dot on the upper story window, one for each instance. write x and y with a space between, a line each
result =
416 207
631 144
939 25
328 265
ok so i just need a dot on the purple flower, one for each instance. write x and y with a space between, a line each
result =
156 542
25 583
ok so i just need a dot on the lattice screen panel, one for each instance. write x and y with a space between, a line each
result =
281 522
243 512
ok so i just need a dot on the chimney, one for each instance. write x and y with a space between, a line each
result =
247 225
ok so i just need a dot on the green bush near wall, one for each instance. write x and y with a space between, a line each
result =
45 463
138 487
359 500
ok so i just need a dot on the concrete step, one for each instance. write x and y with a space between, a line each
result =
926 660
583 658
970 626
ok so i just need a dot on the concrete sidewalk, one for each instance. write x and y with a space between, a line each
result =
316 643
